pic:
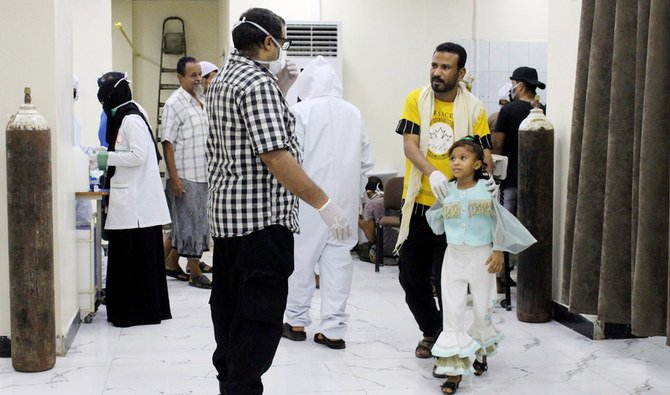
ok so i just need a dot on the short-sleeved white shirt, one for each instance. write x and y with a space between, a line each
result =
185 124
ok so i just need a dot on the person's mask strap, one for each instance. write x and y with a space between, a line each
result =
261 28
113 110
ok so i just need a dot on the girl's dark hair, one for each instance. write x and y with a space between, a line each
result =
468 143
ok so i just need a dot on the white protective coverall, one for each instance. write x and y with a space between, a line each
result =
336 156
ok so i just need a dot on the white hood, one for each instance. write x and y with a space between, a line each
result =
318 79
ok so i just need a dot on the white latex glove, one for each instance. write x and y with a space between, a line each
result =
493 188
337 222
439 184
287 76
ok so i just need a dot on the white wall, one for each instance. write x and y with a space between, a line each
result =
511 20
62 140
92 57
33 68
388 44
223 32
44 61
563 30
122 59
28 68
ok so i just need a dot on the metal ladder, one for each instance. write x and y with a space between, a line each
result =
173 48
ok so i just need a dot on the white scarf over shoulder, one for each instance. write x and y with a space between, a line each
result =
467 109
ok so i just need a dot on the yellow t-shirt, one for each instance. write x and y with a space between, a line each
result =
441 138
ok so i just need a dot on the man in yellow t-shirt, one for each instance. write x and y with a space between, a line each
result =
422 252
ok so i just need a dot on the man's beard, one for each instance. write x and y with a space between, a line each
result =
199 90
441 86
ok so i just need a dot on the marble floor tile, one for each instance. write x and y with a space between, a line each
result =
175 356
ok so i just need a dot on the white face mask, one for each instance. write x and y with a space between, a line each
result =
512 92
277 65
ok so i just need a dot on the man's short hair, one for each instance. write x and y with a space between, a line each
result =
454 48
181 64
248 38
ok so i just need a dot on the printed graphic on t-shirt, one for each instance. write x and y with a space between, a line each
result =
441 134
441 137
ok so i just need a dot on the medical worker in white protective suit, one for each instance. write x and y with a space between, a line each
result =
336 156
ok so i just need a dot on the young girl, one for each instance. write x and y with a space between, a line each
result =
478 230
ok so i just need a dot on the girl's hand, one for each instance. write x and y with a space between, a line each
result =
495 262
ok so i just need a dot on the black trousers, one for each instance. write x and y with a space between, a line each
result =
421 258
250 285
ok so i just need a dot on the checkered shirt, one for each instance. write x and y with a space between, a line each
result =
185 124
248 116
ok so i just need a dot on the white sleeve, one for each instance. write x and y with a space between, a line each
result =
136 133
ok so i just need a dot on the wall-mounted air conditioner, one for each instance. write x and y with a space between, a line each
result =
311 39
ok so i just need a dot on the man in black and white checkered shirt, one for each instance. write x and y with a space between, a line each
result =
255 180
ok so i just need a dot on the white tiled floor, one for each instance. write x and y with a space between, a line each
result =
175 357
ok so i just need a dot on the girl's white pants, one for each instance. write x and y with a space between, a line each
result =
462 266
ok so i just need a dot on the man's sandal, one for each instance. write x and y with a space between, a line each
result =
423 349
480 367
451 385
201 282
205 268
177 273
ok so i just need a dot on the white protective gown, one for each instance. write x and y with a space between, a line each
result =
337 156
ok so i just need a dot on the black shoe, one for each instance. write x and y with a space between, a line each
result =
290 334
337 344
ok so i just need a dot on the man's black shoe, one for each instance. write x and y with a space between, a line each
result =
337 344
290 334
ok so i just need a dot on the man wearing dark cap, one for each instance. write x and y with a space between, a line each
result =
506 132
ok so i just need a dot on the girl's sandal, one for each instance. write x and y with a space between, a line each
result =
480 367
451 385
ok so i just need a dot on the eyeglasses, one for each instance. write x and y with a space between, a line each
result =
285 43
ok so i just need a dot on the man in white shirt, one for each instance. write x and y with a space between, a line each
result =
184 129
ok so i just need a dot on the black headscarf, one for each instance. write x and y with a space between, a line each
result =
114 91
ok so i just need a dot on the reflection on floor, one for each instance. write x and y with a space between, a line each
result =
175 357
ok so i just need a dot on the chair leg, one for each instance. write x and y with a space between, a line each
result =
379 257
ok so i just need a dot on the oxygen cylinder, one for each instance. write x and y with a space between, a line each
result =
535 211
30 229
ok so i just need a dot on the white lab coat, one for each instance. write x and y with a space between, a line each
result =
337 156
136 196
